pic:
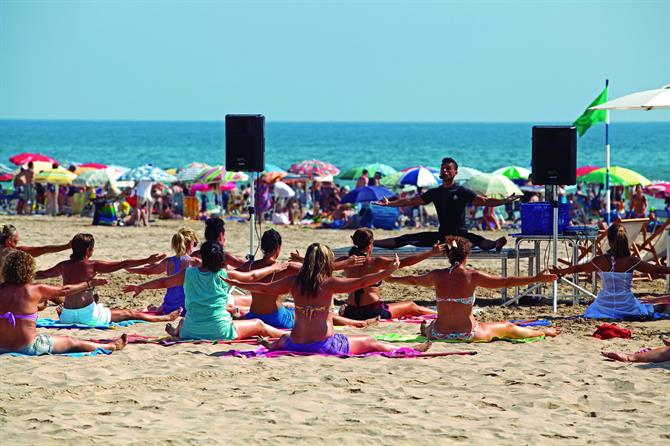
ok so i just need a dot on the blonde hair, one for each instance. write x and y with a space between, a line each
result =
181 240
316 268
618 240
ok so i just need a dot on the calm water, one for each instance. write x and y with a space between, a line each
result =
644 147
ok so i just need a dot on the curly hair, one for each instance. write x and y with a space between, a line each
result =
19 267
458 249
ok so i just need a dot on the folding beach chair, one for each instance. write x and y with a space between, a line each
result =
654 248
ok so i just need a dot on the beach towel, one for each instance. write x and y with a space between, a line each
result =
397 337
168 341
610 331
55 323
96 352
401 353
531 322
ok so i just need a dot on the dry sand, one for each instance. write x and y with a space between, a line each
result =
557 391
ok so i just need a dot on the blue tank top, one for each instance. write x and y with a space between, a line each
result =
174 296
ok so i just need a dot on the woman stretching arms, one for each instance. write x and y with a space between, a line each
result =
312 291
455 288
19 299
206 298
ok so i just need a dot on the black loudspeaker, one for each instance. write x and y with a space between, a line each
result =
245 143
554 155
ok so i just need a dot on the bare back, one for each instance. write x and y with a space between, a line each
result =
78 271
370 294
265 303
454 291
313 319
19 299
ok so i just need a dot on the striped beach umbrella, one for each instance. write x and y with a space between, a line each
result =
619 176
6 169
148 173
355 172
493 185
210 175
314 168
583 170
190 171
513 172
58 176
419 176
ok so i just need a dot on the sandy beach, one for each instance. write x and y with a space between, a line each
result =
556 391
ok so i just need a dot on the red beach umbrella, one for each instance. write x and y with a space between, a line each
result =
314 168
586 169
93 166
24 158
660 189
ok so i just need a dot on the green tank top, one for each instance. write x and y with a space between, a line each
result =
206 297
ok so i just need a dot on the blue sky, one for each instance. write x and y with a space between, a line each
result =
328 61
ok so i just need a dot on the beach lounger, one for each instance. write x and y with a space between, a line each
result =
654 248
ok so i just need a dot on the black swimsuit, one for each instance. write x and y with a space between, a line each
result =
362 312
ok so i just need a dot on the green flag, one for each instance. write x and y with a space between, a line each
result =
590 117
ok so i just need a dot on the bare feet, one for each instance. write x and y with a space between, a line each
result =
502 241
617 356
171 330
119 343
423 347
172 316
552 332
422 328
263 341
59 310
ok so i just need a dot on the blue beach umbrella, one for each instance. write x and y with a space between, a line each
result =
148 173
367 193
420 176
273 168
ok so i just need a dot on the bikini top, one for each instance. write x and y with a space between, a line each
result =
11 317
358 294
309 310
457 300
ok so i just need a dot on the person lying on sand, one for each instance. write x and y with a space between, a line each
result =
312 290
82 307
365 303
270 308
658 354
455 295
184 242
19 299
206 298
616 299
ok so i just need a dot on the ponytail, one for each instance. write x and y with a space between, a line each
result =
181 239
362 239
618 240
458 249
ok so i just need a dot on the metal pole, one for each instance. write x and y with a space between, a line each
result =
608 200
252 219
554 205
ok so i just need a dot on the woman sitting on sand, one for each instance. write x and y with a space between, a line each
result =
184 242
270 308
455 290
365 303
206 298
19 299
83 308
9 241
312 291
616 299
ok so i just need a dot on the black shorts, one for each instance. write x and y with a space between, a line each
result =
363 312
427 239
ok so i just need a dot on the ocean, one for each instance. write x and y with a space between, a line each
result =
643 147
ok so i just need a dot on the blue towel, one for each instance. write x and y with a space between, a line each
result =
55 323
96 352
534 323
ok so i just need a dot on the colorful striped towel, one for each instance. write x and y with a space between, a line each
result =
397 337
55 323
96 352
401 353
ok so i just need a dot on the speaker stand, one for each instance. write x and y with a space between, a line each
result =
252 216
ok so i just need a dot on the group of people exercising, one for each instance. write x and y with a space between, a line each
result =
198 288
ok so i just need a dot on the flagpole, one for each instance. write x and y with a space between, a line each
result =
607 161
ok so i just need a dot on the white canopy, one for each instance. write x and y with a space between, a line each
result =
642 100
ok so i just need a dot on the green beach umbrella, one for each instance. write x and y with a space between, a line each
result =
513 172
93 178
493 185
619 176
392 179
355 172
